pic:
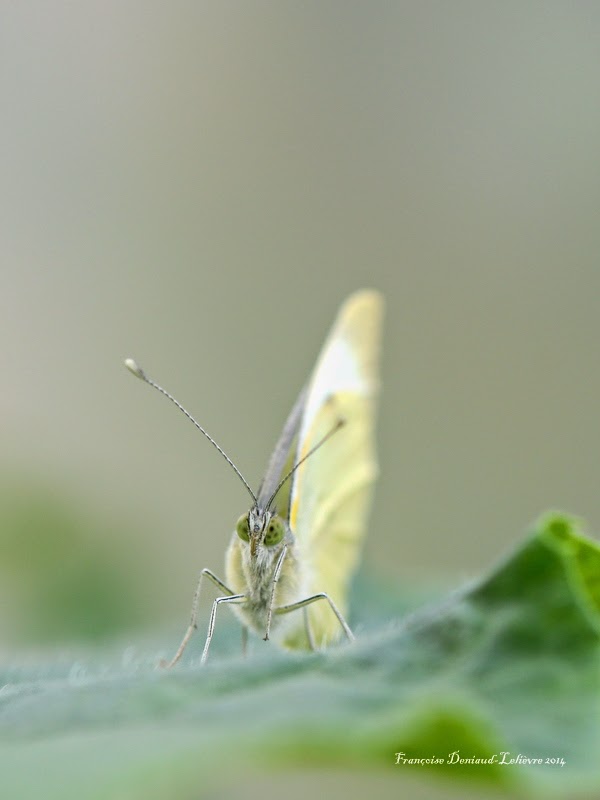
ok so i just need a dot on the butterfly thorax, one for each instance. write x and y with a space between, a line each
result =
251 566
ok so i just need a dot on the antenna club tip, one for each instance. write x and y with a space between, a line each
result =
134 368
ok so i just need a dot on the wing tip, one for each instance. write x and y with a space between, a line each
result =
361 320
364 299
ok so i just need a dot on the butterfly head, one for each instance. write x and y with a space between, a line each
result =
261 528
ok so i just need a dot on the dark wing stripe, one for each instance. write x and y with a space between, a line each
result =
281 453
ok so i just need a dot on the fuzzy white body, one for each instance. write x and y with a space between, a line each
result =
254 577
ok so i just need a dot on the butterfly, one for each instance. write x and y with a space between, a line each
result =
293 553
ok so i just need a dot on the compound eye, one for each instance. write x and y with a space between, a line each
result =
275 531
243 528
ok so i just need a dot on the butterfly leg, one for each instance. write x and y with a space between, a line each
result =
233 598
276 574
194 619
320 596
244 641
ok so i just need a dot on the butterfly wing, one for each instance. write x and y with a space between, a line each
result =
331 491
282 460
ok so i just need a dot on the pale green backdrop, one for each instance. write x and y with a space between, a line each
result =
199 185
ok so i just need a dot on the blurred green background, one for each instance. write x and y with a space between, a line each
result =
199 185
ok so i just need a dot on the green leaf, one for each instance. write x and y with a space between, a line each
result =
506 665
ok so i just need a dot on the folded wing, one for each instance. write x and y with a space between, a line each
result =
331 492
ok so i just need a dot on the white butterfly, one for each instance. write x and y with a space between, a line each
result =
297 547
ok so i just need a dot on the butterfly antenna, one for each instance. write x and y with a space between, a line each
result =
133 367
339 424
